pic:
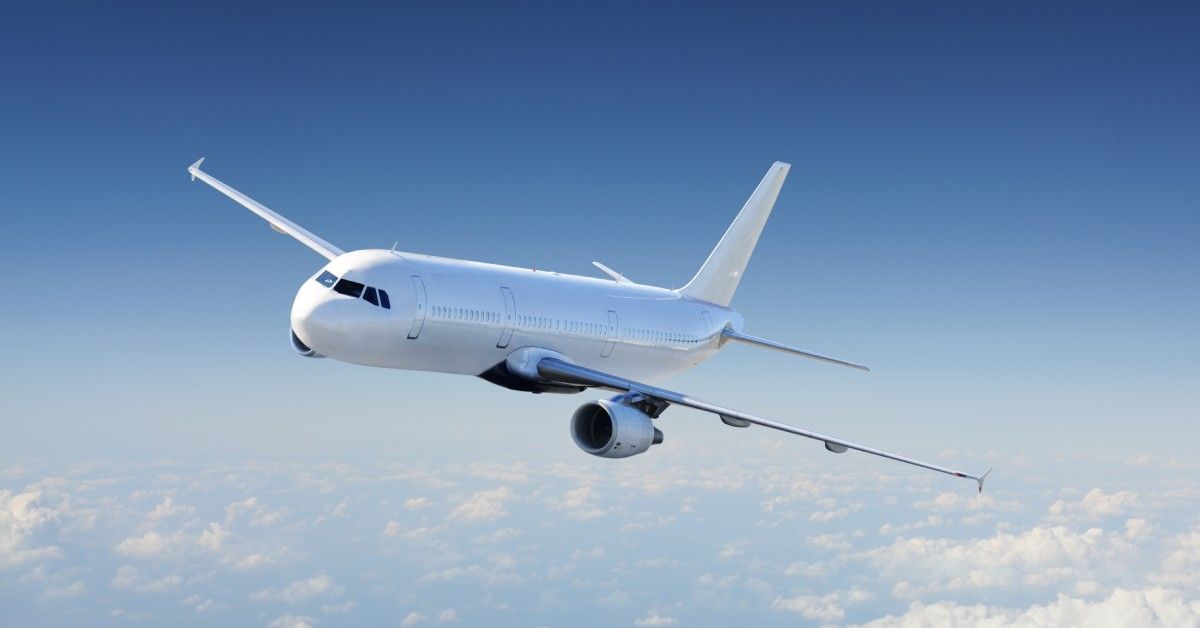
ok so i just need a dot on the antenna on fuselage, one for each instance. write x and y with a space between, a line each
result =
394 245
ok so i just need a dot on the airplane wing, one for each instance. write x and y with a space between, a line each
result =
559 371
277 222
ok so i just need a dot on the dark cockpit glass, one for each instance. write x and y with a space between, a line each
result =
372 295
349 288
327 279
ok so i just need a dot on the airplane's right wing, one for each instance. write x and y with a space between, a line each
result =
563 372
277 222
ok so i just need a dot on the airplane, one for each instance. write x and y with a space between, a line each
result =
544 332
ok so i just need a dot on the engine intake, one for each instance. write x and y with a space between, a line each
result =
302 348
613 430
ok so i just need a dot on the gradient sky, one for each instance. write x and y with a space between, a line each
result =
996 208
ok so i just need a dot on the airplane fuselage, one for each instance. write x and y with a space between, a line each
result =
465 317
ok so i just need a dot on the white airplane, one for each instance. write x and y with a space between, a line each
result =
539 331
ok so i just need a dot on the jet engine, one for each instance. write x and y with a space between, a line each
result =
302 348
613 430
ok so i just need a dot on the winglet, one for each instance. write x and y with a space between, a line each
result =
194 167
981 478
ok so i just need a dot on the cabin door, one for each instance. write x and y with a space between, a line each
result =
612 335
419 315
510 317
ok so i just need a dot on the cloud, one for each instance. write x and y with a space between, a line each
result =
483 506
1145 607
130 578
652 618
299 590
959 501
259 515
152 544
1038 556
829 607
22 516
579 503
590 554
447 616
412 619
74 589
1096 504
288 620
417 503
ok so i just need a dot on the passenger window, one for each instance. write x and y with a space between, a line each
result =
384 300
349 288
327 279
370 296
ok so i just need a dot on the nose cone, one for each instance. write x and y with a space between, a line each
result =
316 318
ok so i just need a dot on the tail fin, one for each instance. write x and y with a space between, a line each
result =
718 278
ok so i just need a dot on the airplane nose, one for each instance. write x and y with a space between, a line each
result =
315 320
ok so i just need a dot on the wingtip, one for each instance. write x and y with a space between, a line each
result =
981 478
194 167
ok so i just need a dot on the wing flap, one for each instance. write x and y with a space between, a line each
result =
556 370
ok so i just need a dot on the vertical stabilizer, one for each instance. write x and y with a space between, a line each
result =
718 278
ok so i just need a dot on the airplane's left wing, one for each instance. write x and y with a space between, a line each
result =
560 371
277 222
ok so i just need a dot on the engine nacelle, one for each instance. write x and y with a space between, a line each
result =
302 348
613 430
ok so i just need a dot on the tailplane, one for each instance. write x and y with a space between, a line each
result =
718 278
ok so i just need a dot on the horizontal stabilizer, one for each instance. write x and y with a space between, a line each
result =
770 344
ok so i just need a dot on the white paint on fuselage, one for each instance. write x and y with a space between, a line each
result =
658 332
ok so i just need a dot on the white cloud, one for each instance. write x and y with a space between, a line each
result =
972 501
260 515
1096 504
579 503
168 508
417 503
412 619
22 516
130 578
1038 556
499 536
338 609
447 616
829 607
213 537
652 618
1142 608
591 553
483 506
152 544
299 590
392 529
288 620
74 589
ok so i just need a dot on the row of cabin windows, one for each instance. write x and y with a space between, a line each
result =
377 297
578 327
466 314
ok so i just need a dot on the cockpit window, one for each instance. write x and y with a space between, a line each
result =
370 297
349 288
384 300
327 279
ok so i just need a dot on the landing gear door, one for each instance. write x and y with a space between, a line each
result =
612 335
510 317
419 315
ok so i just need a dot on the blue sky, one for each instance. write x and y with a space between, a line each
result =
993 207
